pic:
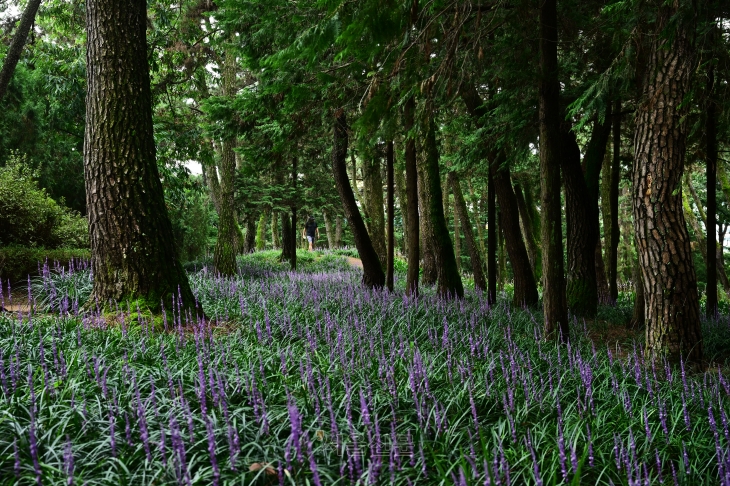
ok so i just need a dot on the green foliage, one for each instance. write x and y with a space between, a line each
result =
17 262
29 217
193 217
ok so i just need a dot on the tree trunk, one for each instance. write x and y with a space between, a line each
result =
133 254
16 45
338 231
373 205
286 234
249 242
502 254
412 191
471 244
373 275
670 286
275 229
604 293
457 235
430 274
525 285
328 226
533 251
294 229
449 280
711 172
615 230
582 223
554 303
479 211
228 230
391 208
400 188
491 240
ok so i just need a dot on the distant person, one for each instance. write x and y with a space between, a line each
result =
310 231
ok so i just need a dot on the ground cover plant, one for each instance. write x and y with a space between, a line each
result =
309 378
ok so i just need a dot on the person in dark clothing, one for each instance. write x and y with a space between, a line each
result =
310 231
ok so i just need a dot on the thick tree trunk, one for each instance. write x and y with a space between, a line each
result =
615 229
329 228
389 156
429 274
133 252
373 275
491 240
249 242
554 303
582 223
525 285
16 45
373 205
471 245
449 280
711 172
229 232
286 243
670 286
604 292
412 191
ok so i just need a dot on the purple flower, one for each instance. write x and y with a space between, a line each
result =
68 462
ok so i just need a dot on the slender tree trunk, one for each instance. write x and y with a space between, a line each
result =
449 280
604 292
16 45
329 228
400 187
554 302
670 285
711 172
228 230
373 275
133 253
373 205
457 235
389 156
525 285
430 274
412 191
491 240
533 251
275 229
294 228
249 242
286 235
615 179
471 245
338 231
210 174
582 223
479 211
502 254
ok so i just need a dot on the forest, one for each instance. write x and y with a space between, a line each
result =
362 242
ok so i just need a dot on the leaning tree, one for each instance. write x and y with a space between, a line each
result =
132 246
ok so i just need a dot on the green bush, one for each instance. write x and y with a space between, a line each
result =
29 217
192 216
17 262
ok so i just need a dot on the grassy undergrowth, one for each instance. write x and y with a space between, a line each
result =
308 378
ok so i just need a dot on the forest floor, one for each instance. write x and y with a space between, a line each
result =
355 262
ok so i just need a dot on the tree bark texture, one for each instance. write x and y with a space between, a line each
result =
554 302
533 250
471 244
373 205
133 251
430 274
389 159
16 45
400 188
373 275
449 280
525 285
338 231
249 242
226 246
604 291
286 243
329 228
711 172
613 204
412 192
582 222
670 287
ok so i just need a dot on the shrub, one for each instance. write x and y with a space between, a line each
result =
29 217
17 262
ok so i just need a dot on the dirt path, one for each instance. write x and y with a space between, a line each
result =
355 262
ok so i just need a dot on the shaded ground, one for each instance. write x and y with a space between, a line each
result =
355 262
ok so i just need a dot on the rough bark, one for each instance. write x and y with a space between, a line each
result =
133 253
582 224
249 241
613 204
373 205
210 174
389 156
449 280
338 231
711 172
429 274
533 250
373 275
226 246
670 287
286 243
16 45
412 192
471 244
554 304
